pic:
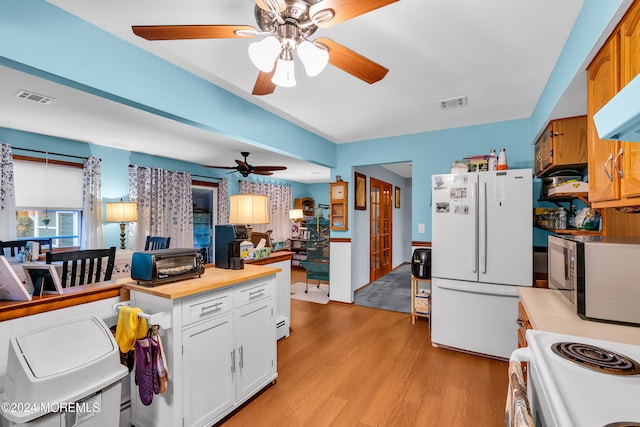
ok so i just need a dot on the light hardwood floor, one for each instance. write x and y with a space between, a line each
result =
346 365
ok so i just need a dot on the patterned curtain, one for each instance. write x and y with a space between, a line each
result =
223 201
92 237
280 197
7 194
165 206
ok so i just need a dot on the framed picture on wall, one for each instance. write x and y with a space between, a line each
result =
397 195
361 191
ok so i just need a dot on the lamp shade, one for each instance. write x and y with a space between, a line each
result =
263 54
313 57
296 214
122 211
284 75
248 209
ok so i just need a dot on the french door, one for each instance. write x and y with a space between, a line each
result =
380 229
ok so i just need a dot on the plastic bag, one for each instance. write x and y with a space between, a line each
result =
587 219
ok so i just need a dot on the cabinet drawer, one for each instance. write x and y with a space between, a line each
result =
252 291
205 306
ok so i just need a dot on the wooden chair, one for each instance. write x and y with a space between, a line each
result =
156 242
91 265
15 246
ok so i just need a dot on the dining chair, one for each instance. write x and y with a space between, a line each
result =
13 247
156 242
90 262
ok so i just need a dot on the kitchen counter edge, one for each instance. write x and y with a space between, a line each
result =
213 278
549 311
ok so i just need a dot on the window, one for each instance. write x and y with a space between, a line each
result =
53 206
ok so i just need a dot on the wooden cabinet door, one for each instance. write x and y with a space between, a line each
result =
602 84
630 44
543 151
630 183
569 141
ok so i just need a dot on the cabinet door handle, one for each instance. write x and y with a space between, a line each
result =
610 176
233 361
256 293
520 323
241 361
211 307
615 163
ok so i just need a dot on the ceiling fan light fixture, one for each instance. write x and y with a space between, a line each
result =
263 54
314 57
322 16
284 75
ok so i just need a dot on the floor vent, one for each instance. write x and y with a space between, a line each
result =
447 104
30 96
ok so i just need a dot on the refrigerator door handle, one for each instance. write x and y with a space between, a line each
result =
499 290
483 201
476 226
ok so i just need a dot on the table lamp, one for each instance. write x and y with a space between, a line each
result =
122 212
248 209
295 215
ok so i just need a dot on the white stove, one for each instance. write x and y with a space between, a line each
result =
563 392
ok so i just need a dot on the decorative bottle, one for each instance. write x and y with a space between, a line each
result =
502 160
492 160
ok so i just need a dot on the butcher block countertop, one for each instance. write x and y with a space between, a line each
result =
213 278
549 311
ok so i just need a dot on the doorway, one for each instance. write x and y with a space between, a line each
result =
381 230
204 219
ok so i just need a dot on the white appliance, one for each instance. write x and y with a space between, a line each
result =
482 250
620 117
598 275
565 393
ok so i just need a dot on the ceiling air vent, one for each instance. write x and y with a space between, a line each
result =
447 104
30 96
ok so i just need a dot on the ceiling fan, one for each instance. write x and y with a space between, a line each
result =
245 168
286 26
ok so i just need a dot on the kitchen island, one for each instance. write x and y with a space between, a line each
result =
548 310
220 344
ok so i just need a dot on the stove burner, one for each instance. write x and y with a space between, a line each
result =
596 358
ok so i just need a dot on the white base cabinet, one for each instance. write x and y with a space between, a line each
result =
221 350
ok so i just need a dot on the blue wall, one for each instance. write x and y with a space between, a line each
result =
115 164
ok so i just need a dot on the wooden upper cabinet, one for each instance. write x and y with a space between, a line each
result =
603 77
563 145
630 44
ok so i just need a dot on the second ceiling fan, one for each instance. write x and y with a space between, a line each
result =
286 26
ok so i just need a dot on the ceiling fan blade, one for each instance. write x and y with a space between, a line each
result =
269 168
352 62
221 167
243 165
262 173
282 5
344 10
183 32
264 85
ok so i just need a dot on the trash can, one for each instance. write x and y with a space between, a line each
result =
64 374
421 263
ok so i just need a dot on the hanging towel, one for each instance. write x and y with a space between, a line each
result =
129 328
517 411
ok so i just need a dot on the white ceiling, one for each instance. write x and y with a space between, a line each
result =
498 53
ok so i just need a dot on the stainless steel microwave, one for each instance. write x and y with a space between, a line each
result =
599 276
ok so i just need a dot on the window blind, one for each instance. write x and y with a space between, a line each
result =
52 186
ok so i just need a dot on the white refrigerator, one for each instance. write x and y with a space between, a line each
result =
482 251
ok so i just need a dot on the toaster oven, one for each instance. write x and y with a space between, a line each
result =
166 265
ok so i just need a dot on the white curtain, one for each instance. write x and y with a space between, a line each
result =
7 194
223 201
280 197
165 206
92 237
